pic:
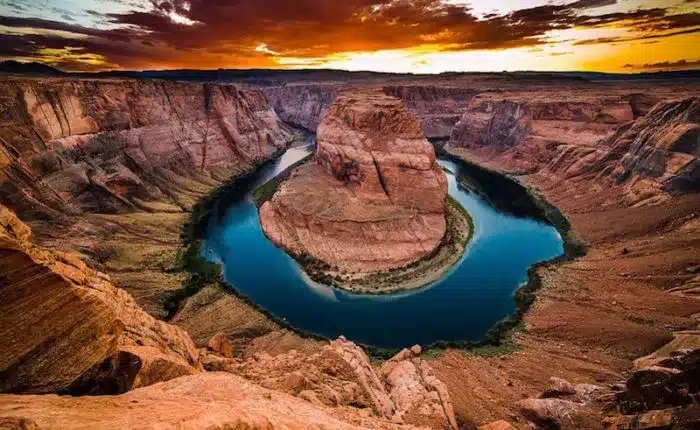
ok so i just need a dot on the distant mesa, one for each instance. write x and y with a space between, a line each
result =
32 68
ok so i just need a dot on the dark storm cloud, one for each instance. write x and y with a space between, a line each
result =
220 33
591 4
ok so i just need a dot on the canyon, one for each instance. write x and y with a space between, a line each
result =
101 174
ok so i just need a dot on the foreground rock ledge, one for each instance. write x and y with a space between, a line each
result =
374 197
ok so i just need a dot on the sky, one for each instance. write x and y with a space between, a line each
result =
417 36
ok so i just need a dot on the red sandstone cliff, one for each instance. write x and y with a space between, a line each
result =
71 146
66 328
589 138
437 108
375 196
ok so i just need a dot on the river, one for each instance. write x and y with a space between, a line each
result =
473 296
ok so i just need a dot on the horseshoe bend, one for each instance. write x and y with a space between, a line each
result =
373 199
325 249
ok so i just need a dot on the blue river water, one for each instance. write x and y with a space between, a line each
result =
476 294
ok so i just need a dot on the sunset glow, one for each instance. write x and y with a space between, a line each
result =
419 36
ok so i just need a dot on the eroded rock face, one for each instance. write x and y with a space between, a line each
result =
649 151
437 107
663 395
662 146
66 328
302 105
375 196
404 390
530 129
71 146
418 395
339 374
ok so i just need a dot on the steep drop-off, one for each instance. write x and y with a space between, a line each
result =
589 139
66 328
70 146
374 197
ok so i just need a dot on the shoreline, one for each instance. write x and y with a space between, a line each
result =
498 339
414 276
411 277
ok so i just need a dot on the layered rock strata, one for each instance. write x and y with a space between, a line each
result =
73 146
437 107
66 328
528 128
374 197
589 139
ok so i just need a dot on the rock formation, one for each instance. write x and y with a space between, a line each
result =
437 107
72 146
559 404
664 394
662 147
207 400
529 128
302 105
404 390
66 328
587 138
373 199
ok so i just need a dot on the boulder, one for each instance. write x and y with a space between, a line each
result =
221 345
497 425
548 413
558 387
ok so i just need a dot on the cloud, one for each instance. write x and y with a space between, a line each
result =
666 65
591 4
645 37
221 33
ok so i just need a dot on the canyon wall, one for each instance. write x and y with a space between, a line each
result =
69 146
66 328
375 196
302 105
652 151
437 108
